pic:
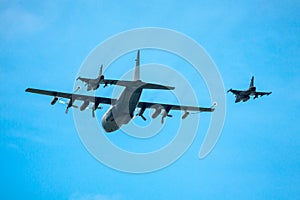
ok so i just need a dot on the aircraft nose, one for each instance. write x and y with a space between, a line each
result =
109 126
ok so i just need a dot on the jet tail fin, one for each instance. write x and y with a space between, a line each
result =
251 82
137 67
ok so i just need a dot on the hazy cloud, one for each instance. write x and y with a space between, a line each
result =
15 21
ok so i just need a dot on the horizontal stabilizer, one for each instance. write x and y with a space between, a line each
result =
137 84
157 87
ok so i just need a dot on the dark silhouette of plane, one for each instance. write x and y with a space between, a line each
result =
122 110
244 95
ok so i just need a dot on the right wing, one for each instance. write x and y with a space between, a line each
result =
167 107
261 94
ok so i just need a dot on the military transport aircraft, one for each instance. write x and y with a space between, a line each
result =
122 109
244 95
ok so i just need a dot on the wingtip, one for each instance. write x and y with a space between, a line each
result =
213 107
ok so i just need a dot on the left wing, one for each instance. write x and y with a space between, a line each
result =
256 94
236 92
86 80
165 108
72 97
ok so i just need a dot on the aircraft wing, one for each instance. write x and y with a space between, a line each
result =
261 94
236 92
86 80
98 100
135 83
167 107
74 97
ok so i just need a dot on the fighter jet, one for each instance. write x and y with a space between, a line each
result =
122 110
93 84
244 95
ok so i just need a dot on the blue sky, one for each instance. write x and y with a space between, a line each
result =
43 44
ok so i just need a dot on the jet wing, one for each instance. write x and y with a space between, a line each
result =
236 92
86 80
261 94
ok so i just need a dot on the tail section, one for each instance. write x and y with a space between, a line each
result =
136 76
252 82
101 68
137 81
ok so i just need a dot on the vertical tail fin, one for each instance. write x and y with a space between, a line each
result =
101 68
252 82
137 67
